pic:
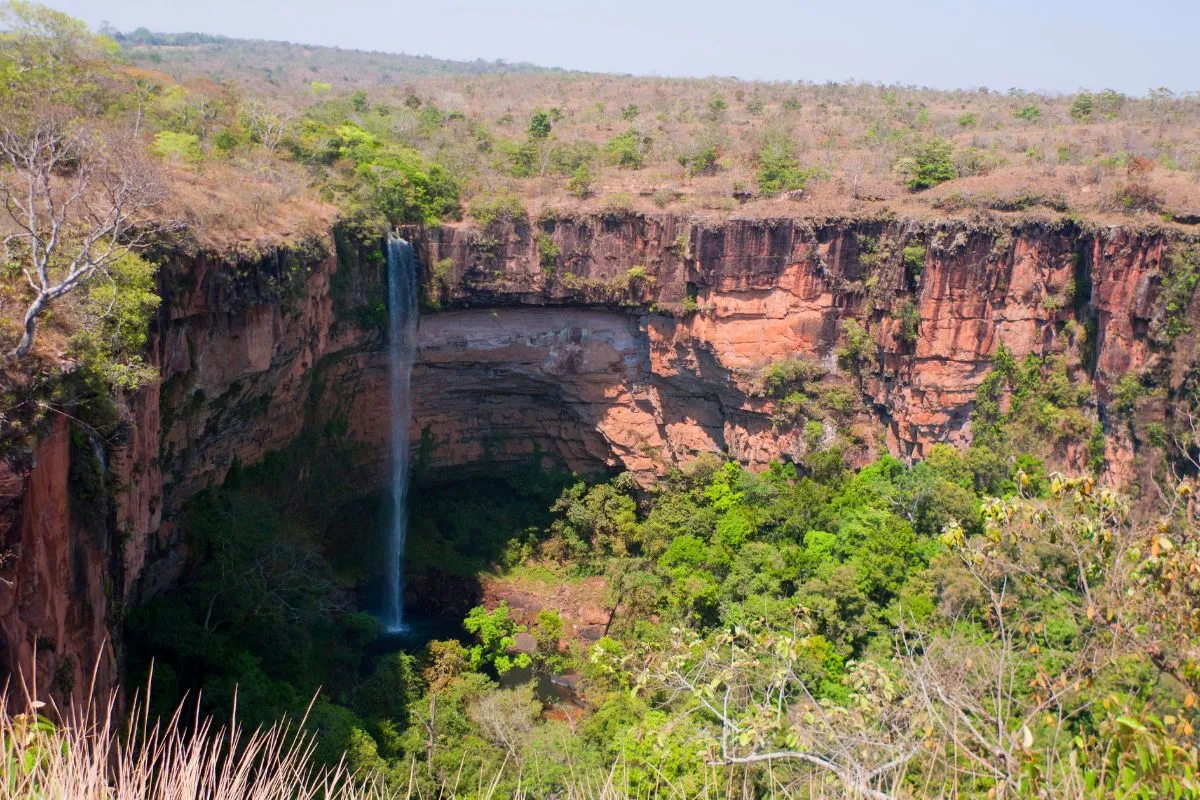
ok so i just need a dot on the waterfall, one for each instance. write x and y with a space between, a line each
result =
402 283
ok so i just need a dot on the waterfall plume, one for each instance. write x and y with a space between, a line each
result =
402 288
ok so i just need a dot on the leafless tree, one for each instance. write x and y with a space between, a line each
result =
507 717
751 684
270 123
75 202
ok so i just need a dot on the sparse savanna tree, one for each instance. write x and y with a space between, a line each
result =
76 201
754 699
268 122
76 196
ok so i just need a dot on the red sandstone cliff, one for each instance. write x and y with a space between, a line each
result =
637 346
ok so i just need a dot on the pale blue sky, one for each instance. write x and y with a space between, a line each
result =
1056 45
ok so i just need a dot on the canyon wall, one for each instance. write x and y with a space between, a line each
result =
624 342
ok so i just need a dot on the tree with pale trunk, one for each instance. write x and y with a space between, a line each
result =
269 123
75 202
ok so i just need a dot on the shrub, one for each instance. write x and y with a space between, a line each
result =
967 120
1029 114
627 150
629 112
717 106
779 169
857 348
910 321
1180 275
568 157
115 314
930 164
1137 196
1156 435
548 252
580 183
539 126
522 158
500 207
1082 107
175 146
1126 393
914 259
788 375
702 160
618 204
225 141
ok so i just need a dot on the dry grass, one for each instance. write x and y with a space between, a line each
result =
853 133
252 202
90 753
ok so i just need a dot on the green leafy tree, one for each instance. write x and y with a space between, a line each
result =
779 167
49 58
1029 114
496 635
1082 107
930 164
580 183
857 350
401 186
539 126
628 150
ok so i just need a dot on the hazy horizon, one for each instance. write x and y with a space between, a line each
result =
1034 46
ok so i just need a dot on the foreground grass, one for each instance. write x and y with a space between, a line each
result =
91 753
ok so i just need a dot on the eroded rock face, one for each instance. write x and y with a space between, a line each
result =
57 586
641 345
764 291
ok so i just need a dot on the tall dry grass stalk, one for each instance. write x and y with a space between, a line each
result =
89 754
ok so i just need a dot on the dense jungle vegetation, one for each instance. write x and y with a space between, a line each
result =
970 625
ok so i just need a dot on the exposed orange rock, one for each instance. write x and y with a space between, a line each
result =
593 361
54 603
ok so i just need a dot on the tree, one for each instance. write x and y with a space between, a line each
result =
756 698
580 183
858 349
1082 107
931 163
539 126
1070 669
779 169
79 202
269 123
628 150
49 58
497 634
507 717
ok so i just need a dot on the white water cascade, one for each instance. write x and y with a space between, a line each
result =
402 283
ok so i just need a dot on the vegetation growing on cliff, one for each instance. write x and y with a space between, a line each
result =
967 625
756 625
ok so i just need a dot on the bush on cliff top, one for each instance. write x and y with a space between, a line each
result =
930 163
